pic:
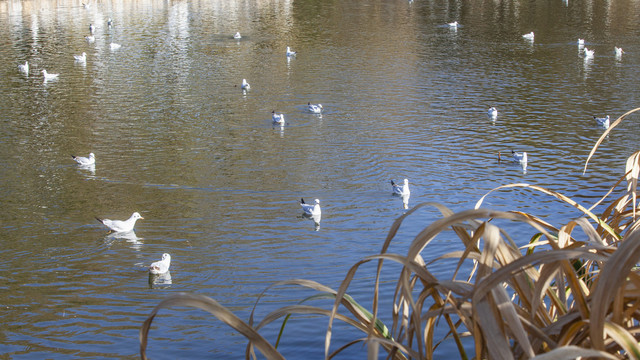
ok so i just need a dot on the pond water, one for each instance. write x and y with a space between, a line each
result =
176 139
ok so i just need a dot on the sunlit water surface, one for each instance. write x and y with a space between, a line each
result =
177 140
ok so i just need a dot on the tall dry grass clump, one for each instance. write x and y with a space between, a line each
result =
566 294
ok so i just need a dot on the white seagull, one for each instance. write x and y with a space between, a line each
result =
528 36
402 190
311 209
618 51
492 112
237 36
245 85
162 266
316 109
520 157
115 46
588 53
119 225
453 24
91 28
604 122
24 67
290 53
48 76
277 118
580 42
81 58
85 161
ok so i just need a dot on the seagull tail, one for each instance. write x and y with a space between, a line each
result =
73 157
393 183
100 220
302 201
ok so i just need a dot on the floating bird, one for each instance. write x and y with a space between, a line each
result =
277 118
86 6
311 209
91 28
119 225
48 76
520 157
85 161
528 36
580 42
162 266
453 24
492 112
316 109
588 53
237 36
618 51
81 58
245 85
290 53
115 46
24 68
109 22
90 38
604 122
402 190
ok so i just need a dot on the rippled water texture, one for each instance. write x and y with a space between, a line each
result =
176 139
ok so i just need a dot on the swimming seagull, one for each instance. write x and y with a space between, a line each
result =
277 118
588 54
453 24
85 161
604 122
290 53
618 51
91 28
492 112
48 76
115 46
119 225
311 209
237 36
528 36
402 190
162 266
245 85
24 67
316 109
81 58
580 42
520 157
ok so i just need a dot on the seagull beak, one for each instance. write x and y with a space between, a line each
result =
141 218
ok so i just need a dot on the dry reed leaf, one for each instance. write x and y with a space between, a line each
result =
604 135
611 277
558 196
633 170
511 319
571 352
623 338
223 314
495 340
